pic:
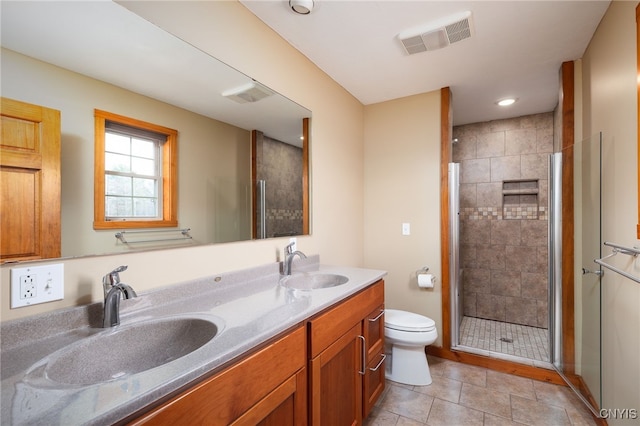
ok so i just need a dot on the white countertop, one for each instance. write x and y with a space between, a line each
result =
250 307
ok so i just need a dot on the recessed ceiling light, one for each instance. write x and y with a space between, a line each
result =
507 101
302 7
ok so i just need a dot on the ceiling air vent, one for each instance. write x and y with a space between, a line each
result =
437 34
250 92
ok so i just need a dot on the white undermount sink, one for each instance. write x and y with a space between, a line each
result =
313 280
129 349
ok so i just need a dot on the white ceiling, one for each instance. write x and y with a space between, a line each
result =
516 50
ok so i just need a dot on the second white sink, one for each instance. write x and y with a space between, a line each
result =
313 280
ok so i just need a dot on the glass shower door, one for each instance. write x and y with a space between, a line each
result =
583 370
588 156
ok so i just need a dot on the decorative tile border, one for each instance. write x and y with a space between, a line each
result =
284 214
521 212
506 213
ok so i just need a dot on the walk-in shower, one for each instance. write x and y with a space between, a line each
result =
506 251
499 190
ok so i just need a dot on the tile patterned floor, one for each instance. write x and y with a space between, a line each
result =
527 342
463 395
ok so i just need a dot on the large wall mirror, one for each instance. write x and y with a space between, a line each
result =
638 100
77 57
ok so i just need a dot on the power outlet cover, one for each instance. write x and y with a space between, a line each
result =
36 284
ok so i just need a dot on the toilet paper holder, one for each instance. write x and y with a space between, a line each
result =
424 278
424 270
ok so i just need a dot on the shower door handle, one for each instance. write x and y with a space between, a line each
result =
586 271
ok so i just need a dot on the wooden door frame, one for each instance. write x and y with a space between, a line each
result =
566 103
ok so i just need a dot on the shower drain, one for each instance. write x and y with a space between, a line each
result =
506 340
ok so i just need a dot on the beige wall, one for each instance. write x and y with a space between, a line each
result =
609 103
228 31
402 185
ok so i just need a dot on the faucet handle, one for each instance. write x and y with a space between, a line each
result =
113 277
289 248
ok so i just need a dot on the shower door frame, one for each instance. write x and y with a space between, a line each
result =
454 252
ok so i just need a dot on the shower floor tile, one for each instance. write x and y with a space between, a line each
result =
506 338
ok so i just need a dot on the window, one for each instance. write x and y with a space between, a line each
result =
135 173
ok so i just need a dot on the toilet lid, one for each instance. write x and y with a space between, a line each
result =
407 321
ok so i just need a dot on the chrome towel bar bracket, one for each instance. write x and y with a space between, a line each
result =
634 252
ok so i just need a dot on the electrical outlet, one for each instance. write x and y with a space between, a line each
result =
36 284
28 286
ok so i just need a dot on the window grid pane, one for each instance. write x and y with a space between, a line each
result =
117 162
132 177
118 185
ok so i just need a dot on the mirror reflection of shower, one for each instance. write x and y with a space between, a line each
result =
501 298
278 201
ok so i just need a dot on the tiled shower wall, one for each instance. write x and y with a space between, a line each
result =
280 165
503 238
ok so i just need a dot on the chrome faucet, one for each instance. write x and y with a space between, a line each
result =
113 291
288 260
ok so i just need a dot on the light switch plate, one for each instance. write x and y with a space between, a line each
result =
406 229
36 284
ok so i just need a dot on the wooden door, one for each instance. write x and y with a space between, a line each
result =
29 182
336 382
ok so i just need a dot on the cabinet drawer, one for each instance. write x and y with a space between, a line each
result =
374 381
340 319
224 397
373 329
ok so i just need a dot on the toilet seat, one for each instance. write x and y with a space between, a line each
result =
407 321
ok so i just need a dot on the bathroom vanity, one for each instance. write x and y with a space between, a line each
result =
244 348
345 374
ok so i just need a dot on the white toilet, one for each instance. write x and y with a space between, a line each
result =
407 334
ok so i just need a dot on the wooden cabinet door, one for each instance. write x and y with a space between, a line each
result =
285 406
374 377
336 382
29 182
